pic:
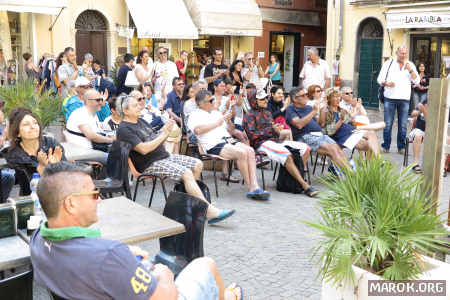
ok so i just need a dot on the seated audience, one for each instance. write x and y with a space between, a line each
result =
84 128
264 137
70 104
418 133
8 178
98 70
352 105
174 103
190 105
277 106
112 122
336 123
150 99
100 268
300 118
209 126
149 155
29 151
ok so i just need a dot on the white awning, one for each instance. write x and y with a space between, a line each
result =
167 19
48 7
417 18
226 17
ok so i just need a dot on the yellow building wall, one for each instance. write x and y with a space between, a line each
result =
240 45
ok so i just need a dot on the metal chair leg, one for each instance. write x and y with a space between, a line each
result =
215 178
153 191
275 171
315 163
136 189
163 185
307 173
263 180
324 160
405 155
230 170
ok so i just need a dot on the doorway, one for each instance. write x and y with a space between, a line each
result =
370 38
286 46
91 28
434 51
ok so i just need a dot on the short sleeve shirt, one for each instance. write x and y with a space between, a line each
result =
301 112
213 70
180 66
167 72
213 137
315 74
65 71
90 268
82 116
136 133
174 103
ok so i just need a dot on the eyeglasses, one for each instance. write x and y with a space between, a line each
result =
140 99
349 93
318 91
95 194
300 96
163 52
84 86
97 99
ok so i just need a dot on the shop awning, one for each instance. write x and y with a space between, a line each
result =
167 19
226 17
304 18
48 7
418 18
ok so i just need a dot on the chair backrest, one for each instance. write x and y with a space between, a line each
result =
117 162
18 287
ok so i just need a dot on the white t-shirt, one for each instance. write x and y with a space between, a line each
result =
149 63
167 72
213 137
345 105
82 116
315 74
143 72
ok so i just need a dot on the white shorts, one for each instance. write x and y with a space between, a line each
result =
279 153
415 132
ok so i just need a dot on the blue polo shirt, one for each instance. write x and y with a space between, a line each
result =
89 268
301 112
174 102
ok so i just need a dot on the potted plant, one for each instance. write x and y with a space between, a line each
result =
47 106
377 223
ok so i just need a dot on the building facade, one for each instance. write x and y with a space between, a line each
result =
372 30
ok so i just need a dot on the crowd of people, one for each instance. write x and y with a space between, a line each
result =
228 114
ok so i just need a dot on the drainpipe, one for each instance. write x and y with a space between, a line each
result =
341 20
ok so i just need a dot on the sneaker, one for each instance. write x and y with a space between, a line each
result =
385 150
401 151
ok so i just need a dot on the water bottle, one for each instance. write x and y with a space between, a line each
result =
33 186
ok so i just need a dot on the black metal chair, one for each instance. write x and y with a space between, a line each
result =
18 287
306 171
56 297
117 168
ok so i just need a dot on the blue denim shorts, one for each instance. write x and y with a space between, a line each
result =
196 282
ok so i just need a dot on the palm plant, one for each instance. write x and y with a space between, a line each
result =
379 219
47 106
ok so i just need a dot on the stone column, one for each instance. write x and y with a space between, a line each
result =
5 35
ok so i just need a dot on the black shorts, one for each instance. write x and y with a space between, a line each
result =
216 149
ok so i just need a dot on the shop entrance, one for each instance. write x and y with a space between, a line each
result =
286 46
434 51
91 29
370 43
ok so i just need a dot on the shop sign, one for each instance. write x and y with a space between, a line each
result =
418 20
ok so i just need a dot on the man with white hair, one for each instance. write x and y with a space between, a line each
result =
396 76
315 71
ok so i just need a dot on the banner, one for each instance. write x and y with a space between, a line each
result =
417 19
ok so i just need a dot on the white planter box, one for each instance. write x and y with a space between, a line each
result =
436 270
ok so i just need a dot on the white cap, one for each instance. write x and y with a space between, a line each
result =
81 80
261 94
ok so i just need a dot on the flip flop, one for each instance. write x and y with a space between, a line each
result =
258 194
311 192
225 213
416 169
233 290
233 179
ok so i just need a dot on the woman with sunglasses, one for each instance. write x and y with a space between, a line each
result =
165 71
352 105
29 151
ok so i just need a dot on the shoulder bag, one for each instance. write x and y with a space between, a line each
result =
381 88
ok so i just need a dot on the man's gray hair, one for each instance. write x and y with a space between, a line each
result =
403 46
89 94
345 89
313 50
196 84
201 96
57 183
295 91
247 54
88 56
123 102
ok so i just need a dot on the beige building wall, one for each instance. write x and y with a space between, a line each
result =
240 45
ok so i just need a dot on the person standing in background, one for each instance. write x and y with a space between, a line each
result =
315 71
182 64
273 70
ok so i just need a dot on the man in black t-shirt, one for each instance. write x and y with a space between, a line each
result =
216 70
149 155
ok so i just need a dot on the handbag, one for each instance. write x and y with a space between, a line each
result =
285 181
131 80
381 88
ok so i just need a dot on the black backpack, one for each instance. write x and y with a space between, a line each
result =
287 183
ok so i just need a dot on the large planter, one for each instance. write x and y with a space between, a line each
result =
435 270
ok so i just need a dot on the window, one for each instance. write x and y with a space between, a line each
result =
321 3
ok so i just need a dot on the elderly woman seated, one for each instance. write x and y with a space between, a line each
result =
338 124
29 151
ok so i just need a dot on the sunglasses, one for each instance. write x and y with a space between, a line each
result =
95 194
300 96
349 93
318 91
140 99
164 52
97 99
263 99
212 100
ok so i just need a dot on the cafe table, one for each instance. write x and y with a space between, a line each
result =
126 221
14 252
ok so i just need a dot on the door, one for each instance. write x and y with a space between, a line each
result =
93 42
369 67
288 62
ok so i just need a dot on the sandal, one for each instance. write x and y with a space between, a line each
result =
416 169
233 179
311 192
233 290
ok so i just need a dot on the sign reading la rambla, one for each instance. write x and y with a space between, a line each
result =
417 20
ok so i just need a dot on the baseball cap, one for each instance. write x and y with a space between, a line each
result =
261 94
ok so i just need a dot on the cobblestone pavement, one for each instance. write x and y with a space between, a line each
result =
263 247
